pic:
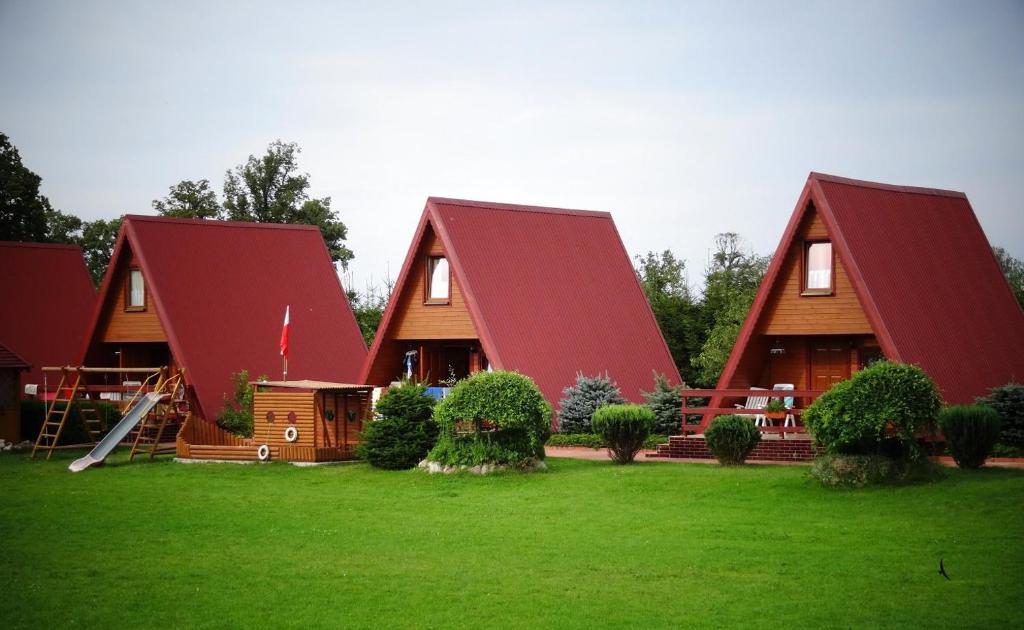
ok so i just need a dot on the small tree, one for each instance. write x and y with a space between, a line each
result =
583 399
666 403
236 416
971 431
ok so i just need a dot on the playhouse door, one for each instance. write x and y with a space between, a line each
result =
830 362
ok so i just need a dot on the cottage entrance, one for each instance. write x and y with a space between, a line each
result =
829 362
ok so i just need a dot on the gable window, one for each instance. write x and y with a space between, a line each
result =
136 291
818 276
438 280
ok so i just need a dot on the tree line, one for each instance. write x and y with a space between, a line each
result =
700 328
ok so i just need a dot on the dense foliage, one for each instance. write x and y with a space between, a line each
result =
593 440
731 439
492 418
667 406
1008 401
879 411
405 432
33 412
583 399
1013 271
700 333
857 471
368 306
624 428
236 416
971 431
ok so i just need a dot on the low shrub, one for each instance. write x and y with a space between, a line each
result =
857 471
396 443
731 438
877 412
33 412
492 418
583 399
405 431
971 431
624 428
1008 401
593 440
666 403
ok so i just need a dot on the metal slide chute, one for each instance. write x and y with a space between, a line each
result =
119 432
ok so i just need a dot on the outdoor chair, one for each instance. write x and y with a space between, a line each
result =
755 402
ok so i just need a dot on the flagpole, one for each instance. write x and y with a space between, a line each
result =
284 341
286 368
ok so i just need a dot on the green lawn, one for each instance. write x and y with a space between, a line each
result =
586 544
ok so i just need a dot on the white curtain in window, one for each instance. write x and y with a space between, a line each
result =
819 266
138 289
439 279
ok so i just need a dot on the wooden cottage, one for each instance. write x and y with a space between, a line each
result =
866 271
209 297
546 292
11 367
48 298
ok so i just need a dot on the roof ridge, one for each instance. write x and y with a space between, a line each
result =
219 223
40 245
514 207
862 183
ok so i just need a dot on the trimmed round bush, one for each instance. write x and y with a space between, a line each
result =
624 428
1008 401
492 418
731 438
971 431
879 411
405 431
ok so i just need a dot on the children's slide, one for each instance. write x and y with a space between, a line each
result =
118 433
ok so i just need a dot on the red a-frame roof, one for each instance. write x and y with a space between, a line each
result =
47 298
924 274
551 292
220 289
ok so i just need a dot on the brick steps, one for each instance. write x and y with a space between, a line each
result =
693 447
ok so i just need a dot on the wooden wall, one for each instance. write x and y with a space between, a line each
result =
281 404
10 404
415 320
787 312
117 324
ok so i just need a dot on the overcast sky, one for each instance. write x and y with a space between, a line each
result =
682 119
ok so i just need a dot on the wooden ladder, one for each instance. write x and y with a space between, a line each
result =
150 433
59 411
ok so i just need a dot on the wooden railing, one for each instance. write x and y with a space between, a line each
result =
801 397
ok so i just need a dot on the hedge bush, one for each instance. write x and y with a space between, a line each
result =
624 428
583 399
666 403
492 418
1008 401
971 431
877 412
731 439
34 411
236 415
405 431
593 440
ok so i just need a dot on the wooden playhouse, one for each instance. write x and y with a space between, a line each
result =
297 421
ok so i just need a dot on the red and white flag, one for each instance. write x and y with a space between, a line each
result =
284 334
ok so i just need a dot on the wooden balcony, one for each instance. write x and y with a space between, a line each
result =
801 397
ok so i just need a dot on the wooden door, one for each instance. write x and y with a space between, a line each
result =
829 362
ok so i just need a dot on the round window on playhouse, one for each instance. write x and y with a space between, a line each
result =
270 416
292 418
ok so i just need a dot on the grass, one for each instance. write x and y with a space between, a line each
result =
586 544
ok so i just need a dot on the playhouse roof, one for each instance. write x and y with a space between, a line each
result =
221 288
925 275
10 359
47 299
551 293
